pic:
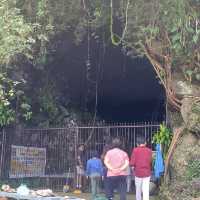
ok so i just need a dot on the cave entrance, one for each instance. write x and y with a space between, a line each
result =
121 91
113 87
128 90
103 81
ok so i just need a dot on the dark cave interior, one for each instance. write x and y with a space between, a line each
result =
120 88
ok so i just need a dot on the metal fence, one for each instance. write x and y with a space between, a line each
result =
61 146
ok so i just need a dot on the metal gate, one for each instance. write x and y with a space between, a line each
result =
95 137
61 149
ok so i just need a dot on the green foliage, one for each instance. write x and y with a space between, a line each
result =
163 137
196 107
180 21
15 33
48 103
6 95
49 109
172 24
193 169
12 101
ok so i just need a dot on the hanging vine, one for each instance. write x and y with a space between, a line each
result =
115 37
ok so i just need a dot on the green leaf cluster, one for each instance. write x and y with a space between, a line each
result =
15 33
163 137
7 114
12 101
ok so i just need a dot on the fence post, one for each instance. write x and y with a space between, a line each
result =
2 151
76 154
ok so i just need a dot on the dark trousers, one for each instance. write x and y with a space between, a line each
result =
116 182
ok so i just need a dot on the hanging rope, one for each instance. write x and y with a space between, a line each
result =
113 35
124 66
96 99
99 64
88 63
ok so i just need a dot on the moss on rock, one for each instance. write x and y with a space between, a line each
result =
184 184
187 148
190 111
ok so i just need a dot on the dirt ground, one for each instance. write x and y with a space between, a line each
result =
87 196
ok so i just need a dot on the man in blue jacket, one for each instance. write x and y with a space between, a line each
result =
94 170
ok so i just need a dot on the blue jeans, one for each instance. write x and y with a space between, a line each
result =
95 183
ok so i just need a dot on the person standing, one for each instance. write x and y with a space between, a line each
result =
94 170
106 148
80 166
116 161
141 159
129 178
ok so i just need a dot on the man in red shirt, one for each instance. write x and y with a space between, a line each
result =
141 162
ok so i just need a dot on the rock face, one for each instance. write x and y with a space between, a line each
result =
190 111
184 173
187 150
183 88
185 182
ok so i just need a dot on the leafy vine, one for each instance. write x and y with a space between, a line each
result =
114 37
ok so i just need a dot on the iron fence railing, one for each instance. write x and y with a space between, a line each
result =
61 145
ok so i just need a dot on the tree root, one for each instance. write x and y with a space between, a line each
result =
176 136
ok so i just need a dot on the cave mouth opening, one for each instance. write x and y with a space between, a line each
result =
113 86
128 90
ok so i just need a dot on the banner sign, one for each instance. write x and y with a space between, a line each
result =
27 161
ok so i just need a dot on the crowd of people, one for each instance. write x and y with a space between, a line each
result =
116 169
